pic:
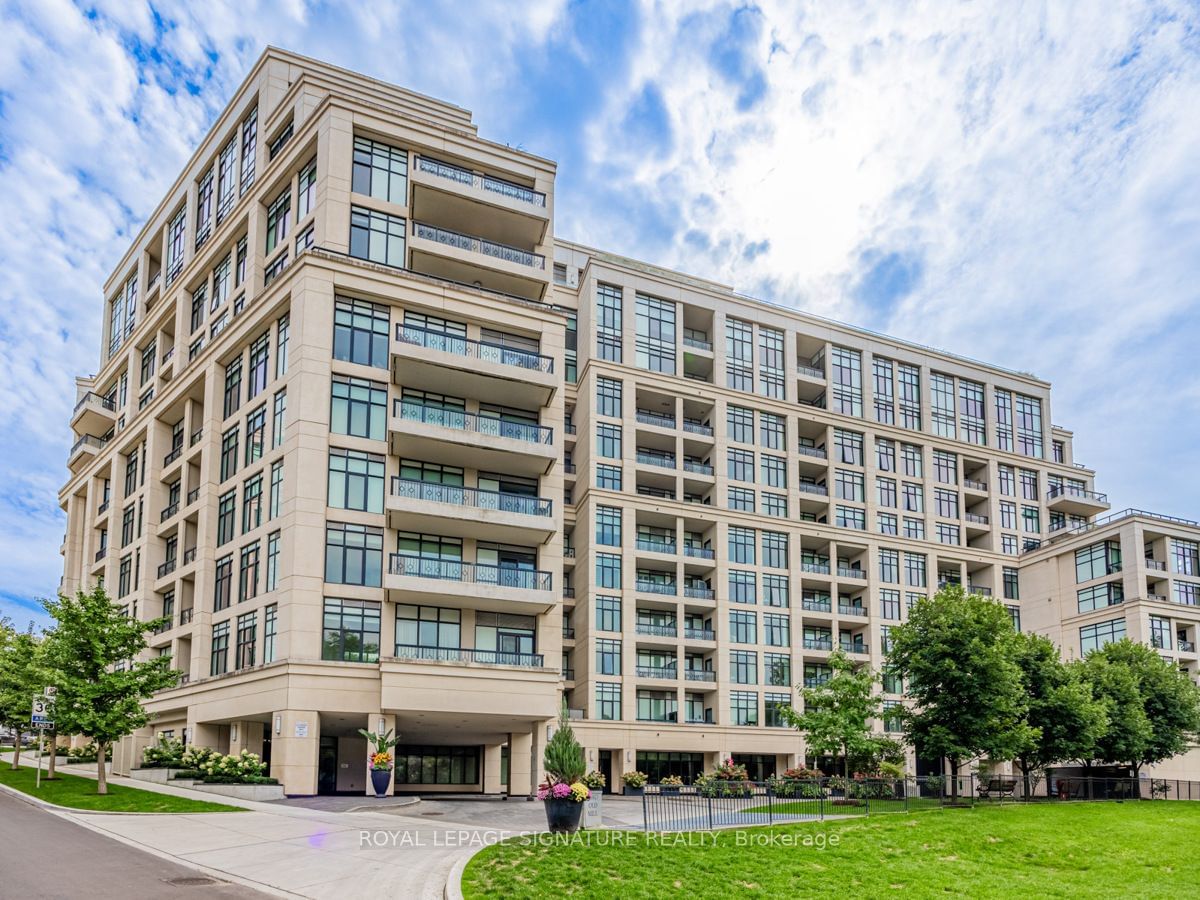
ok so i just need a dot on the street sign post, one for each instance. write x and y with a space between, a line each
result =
41 719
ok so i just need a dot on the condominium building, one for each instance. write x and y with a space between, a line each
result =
387 453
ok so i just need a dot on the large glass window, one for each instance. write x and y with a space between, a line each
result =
608 322
380 171
353 554
770 362
1097 560
218 658
356 480
972 427
608 526
377 237
743 707
885 393
910 396
360 332
608 701
351 630
428 627
1029 426
1100 596
941 392
847 381
247 633
359 408
1093 637
608 397
437 765
1004 420
739 355
608 657
608 613
655 334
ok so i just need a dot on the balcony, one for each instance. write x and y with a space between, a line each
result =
175 453
854 647
696 592
460 198
1075 501
971 485
93 414
568 632
664 631
651 546
658 672
1155 566
851 572
470 440
166 568
100 554
669 588
472 259
189 555
662 460
698 344
812 452
453 583
185 616
817 490
816 681
488 372
817 606
697 468
193 495
84 451
469 512
818 644
168 512
812 568
471 656
694 552
851 609
700 675
699 634
697 428
658 420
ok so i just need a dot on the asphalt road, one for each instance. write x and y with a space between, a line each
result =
45 856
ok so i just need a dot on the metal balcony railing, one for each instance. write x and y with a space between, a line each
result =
818 644
697 468
645 417
478 423
657 672
175 453
700 675
699 552
185 616
91 397
974 484
189 555
481 350
851 609
656 459
850 572
467 655
697 344
101 553
698 593
568 631
87 441
821 606
1070 490
699 428
167 567
976 517
656 546
479 245
469 573
657 587
814 568
486 182
193 495
819 489
853 647
815 452
810 371
699 634
474 498
651 630
168 512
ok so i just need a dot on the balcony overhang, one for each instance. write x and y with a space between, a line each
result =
414 439
1078 504
462 201
460 375
457 520
93 415
469 595
464 259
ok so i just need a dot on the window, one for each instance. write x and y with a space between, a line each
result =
226 509
1004 420
743 667
770 362
437 765
279 418
272 561
947 534
279 215
970 412
608 397
885 455
1186 555
608 571
776 590
608 477
256 426
915 570
248 573
945 503
276 489
850 517
743 707
741 545
885 491
772 430
608 613
741 499
127 525
776 630
740 465
910 396
377 237
283 330
608 526
847 381
608 701
743 587
850 486
1097 561
1160 633
945 467
249 148
888 523
739 355
1008 514
226 178
356 480
1093 637
608 322
608 440
885 394
774 505
380 171
1029 426
125 577
775 550
306 196
247 631
1101 595
1031 519
941 393
360 332
233 387
175 231
608 657
910 458
1012 584
428 627
252 503
1008 544
740 424
889 603
218 658
1060 451
655 334
220 282
657 706
914 497
1187 593
359 408
848 447
889 566
353 554
223 584
270 630
743 627
774 470
351 631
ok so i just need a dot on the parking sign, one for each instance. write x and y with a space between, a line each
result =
41 714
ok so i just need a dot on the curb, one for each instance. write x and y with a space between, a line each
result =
453 889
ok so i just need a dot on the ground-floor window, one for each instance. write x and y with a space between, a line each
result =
658 764
437 765
759 766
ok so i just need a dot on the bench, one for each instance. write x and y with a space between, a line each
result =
996 787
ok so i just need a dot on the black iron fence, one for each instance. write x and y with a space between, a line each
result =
715 803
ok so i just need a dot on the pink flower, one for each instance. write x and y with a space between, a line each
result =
561 791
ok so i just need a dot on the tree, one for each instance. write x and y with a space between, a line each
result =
1065 720
563 756
101 684
19 681
1153 708
837 713
956 653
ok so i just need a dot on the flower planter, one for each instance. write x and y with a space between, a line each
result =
380 779
562 815
634 791
668 789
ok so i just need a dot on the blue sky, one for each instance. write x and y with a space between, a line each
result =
1017 182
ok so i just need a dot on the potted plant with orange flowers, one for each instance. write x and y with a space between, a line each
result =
380 759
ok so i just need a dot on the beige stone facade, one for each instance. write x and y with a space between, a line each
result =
389 454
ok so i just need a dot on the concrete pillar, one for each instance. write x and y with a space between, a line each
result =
203 734
491 769
295 745
624 760
519 775
246 736
381 723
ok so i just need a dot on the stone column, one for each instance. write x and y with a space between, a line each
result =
295 744
519 775
388 723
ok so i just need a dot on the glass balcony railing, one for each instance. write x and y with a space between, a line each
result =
469 573
468 655
481 350
468 178
479 245
474 422
473 498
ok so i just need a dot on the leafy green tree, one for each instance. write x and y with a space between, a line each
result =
837 714
1153 708
1065 720
19 681
957 653
563 757
101 683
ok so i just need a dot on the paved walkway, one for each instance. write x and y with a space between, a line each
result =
293 850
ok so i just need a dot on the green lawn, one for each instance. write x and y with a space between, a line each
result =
80 793
1130 849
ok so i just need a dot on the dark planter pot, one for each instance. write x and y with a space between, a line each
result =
669 789
379 781
634 791
562 816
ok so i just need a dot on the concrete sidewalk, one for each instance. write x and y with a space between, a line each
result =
297 851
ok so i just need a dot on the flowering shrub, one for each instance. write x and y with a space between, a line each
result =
560 790
167 753
216 768
580 792
671 781
381 761
730 771
594 779
634 779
